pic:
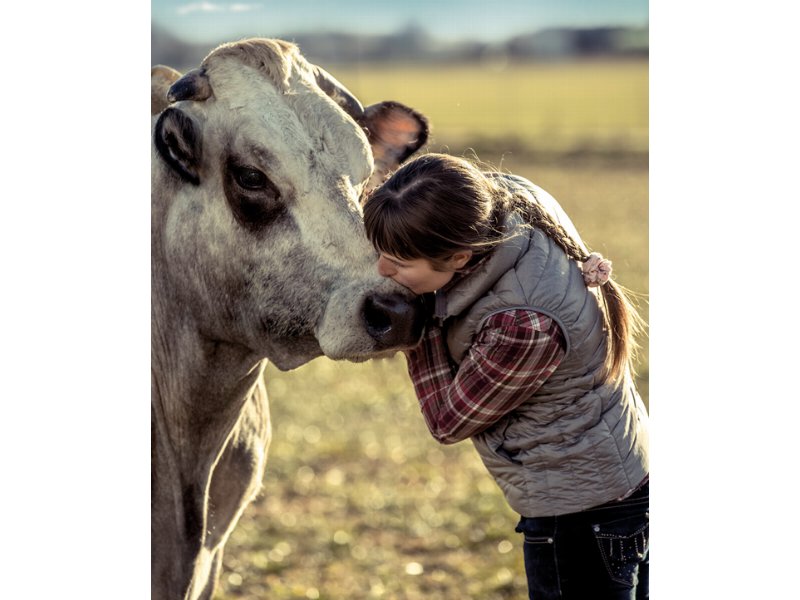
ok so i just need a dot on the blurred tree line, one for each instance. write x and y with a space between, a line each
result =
413 43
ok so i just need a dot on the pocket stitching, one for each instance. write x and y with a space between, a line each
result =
607 536
600 534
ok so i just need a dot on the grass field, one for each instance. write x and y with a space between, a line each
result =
540 107
358 500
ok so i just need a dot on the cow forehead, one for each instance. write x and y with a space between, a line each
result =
295 119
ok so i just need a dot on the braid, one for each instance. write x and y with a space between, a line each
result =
505 201
537 216
623 323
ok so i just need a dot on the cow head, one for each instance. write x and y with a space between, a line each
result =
260 161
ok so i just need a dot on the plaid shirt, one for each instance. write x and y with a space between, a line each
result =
512 355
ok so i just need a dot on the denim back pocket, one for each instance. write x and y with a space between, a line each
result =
623 544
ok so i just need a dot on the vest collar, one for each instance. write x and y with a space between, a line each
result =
463 291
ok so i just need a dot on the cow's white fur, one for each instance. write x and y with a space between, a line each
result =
223 298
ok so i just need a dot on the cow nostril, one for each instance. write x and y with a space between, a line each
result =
392 320
377 317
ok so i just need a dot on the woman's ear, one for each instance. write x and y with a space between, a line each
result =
459 259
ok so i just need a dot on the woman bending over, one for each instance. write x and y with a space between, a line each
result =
527 352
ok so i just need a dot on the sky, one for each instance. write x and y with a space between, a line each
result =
448 20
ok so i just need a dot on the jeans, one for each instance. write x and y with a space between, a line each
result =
602 553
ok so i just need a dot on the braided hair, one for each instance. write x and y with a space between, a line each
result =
622 321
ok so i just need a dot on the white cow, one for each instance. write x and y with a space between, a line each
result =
259 160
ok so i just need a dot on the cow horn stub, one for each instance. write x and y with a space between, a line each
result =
194 85
338 93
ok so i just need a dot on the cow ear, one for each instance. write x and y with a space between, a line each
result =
395 132
161 78
178 142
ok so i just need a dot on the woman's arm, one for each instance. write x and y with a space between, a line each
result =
512 355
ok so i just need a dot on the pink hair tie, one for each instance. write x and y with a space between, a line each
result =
596 270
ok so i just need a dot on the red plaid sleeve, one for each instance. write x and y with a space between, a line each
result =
512 355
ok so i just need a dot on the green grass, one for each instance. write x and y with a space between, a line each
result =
359 501
559 107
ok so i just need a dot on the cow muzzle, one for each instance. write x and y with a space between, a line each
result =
392 320
369 319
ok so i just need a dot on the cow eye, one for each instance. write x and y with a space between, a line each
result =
250 179
252 196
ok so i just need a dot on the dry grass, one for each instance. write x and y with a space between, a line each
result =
593 106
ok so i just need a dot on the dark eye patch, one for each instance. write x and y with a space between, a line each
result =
254 199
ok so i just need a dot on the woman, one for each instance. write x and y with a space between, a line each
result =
527 352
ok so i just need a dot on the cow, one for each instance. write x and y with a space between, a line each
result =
259 162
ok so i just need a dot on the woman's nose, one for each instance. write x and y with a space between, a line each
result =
385 268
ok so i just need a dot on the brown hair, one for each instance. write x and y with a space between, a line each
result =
437 205
433 207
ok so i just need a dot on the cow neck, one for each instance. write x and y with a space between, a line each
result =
200 388
199 409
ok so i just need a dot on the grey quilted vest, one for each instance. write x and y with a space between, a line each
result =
576 442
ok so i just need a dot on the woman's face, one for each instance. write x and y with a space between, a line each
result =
418 274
